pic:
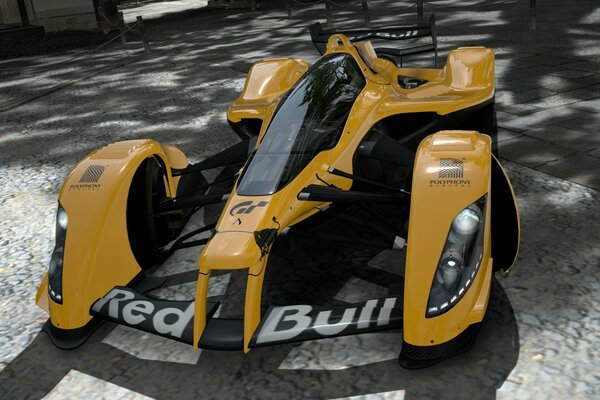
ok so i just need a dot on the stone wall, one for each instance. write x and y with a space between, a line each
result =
59 15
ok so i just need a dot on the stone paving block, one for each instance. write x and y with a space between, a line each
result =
540 118
357 290
147 346
588 123
583 66
580 168
531 152
565 98
565 137
500 69
344 352
391 260
505 134
589 106
504 62
534 72
567 84
391 395
505 119
572 73
515 79
513 62
595 152
550 81
594 88
77 385
587 81
517 109
187 291
522 96
545 59
505 83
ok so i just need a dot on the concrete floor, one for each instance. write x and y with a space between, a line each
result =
543 327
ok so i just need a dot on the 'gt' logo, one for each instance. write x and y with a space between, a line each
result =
246 207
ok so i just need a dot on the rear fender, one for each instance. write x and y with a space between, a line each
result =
506 225
266 82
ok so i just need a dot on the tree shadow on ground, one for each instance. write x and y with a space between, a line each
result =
299 279
179 95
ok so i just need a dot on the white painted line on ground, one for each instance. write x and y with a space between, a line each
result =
390 260
77 385
147 346
393 395
187 291
357 290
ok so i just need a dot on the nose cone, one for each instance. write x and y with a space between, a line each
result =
230 250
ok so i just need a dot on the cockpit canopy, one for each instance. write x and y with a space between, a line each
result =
309 119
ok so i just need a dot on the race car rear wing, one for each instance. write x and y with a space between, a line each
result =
320 36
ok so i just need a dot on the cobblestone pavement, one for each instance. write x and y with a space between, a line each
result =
543 328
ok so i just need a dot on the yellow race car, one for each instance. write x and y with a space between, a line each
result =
351 131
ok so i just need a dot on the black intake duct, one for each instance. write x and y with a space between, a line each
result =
237 153
387 149
330 194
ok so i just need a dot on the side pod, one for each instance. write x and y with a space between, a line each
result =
266 82
96 251
448 265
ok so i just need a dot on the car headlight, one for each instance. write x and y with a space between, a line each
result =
460 259
55 270
61 218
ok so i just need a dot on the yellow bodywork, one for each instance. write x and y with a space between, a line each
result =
266 82
467 80
98 256
434 204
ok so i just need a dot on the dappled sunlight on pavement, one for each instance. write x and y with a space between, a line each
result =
547 96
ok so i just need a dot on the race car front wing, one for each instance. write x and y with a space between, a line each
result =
280 325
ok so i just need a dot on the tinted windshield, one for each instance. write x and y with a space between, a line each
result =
310 119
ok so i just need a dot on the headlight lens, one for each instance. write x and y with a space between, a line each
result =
55 270
460 259
467 221
61 218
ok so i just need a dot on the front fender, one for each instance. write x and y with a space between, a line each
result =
97 253
438 195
